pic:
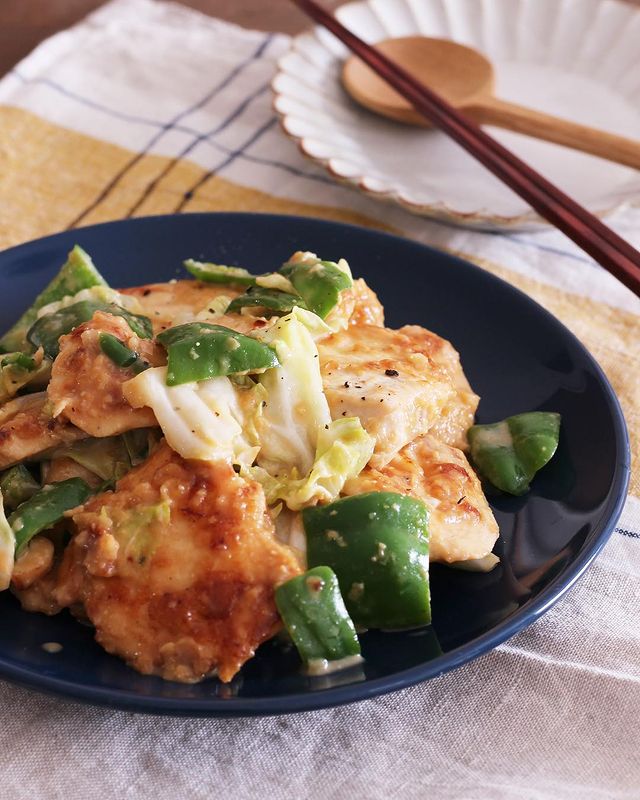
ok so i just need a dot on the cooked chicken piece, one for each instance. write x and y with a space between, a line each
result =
457 415
242 323
375 374
33 564
27 429
86 385
368 309
35 576
169 304
177 568
461 524
38 596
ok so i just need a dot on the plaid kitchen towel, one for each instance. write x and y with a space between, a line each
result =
148 108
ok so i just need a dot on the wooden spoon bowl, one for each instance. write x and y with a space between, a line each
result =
459 74
466 79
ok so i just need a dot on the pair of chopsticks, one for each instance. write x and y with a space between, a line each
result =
587 231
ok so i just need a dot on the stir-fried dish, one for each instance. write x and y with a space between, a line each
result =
194 467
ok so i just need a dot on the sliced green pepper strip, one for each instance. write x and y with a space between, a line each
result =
319 283
45 508
17 485
377 544
77 273
46 331
198 351
120 354
280 302
509 453
219 273
315 616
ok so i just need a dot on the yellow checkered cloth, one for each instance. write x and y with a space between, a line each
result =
149 108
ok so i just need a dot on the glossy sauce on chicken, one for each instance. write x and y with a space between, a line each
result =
176 568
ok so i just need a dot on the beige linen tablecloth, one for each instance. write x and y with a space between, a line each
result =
141 106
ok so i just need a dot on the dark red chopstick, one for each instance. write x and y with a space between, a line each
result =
586 230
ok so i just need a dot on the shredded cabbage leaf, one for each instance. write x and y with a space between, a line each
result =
102 294
296 408
207 420
7 548
108 457
290 531
215 308
135 530
275 426
343 450
14 376
274 280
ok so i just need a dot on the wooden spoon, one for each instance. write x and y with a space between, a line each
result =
465 78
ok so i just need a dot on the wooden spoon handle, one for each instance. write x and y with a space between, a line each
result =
554 129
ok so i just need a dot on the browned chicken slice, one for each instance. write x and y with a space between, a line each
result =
86 385
375 374
368 309
36 573
177 568
31 567
461 524
27 428
169 304
458 414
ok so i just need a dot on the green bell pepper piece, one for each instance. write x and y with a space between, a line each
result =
17 485
46 331
315 616
77 273
219 273
280 302
120 354
319 283
377 544
45 508
509 453
198 351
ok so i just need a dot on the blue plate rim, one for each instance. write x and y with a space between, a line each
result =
322 698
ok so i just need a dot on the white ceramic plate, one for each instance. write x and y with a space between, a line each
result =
575 58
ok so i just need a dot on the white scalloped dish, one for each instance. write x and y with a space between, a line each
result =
579 59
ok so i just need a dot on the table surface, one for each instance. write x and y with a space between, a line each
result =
24 23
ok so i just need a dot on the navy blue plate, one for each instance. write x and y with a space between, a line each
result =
517 357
